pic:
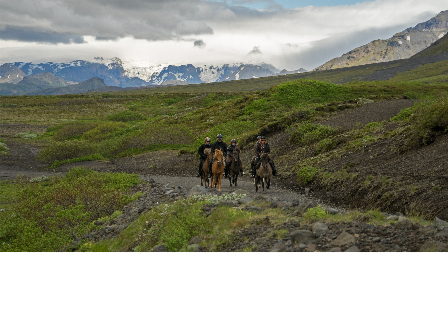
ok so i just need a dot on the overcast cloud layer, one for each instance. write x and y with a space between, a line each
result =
199 32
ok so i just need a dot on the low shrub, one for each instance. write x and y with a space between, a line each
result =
103 131
326 145
306 175
126 116
67 149
307 133
3 148
73 130
49 215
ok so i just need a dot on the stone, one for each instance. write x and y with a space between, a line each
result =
301 236
295 202
254 208
434 246
335 249
344 238
230 203
307 192
160 248
304 207
303 246
332 211
278 247
310 248
260 241
393 218
354 248
194 248
440 222
197 190
246 200
376 239
404 224
194 240
320 229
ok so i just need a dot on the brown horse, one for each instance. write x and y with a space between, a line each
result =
235 167
204 171
263 174
218 166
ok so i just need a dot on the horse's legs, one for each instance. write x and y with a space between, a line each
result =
268 183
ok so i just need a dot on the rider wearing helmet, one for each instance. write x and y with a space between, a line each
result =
255 158
233 147
202 155
262 147
219 144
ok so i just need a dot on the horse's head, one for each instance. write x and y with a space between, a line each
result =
208 153
236 155
218 155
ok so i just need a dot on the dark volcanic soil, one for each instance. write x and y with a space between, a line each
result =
368 113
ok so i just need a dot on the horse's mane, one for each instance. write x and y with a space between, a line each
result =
218 152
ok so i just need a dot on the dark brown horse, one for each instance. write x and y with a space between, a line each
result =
204 172
263 174
235 167
218 166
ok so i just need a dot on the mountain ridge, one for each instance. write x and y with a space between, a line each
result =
403 45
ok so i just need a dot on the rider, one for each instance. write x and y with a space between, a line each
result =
262 147
255 158
233 146
219 144
202 155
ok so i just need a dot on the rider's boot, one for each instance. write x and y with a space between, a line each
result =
252 173
274 171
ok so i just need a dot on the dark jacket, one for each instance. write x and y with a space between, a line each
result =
219 145
262 149
201 150
230 149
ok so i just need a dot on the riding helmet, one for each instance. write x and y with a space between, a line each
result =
207 139
259 137
233 141
219 136
263 137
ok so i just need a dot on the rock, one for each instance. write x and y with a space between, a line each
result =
303 246
254 208
354 248
320 229
260 241
404 224
434 246
440 223
301 236
278 247
332 211
197 190
307 192
194 240
246 200
160 248
230 203
194 248
295 202
310 248
393 218
335 249
376 239
344 238
304 207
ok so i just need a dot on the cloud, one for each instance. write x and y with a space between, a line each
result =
200 44
36 35
255 51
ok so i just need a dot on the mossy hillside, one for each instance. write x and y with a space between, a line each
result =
171 122
48 213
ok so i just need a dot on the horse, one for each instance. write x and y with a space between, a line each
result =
263 173
204 172
218 166
235 167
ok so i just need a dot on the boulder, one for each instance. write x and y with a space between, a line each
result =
320 229
434 246
352 249
440 222
344 238
198 190
194 248
301 236
404 224
160 248
296 202
333 211
194 240
279 247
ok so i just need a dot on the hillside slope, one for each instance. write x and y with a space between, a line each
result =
401 46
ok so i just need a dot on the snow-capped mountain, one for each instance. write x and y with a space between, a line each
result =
116 72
